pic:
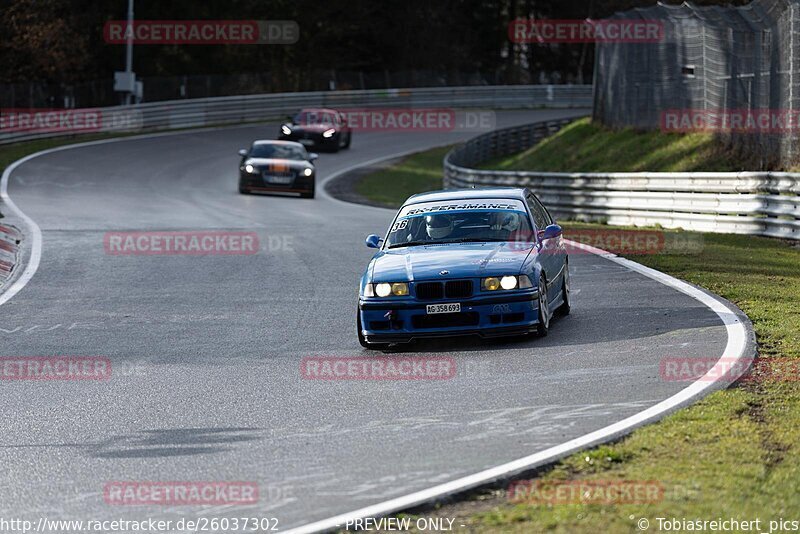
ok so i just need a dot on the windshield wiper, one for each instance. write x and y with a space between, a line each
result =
410 244
477 240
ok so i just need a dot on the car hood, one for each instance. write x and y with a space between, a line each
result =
462 260
278 165
311 127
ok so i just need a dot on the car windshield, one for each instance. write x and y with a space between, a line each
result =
460 221
314 117
278 151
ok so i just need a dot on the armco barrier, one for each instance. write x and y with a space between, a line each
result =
178 114
9 250
757 203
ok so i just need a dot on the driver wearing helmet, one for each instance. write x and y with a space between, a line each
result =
504 221
438 226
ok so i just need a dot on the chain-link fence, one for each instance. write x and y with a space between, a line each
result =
719 68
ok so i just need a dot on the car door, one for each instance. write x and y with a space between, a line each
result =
552 254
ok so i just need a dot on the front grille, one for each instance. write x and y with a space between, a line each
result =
445 320
458 289
454 289
429 290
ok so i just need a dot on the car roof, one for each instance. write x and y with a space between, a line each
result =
516 193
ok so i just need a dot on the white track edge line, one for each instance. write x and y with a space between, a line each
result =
33 229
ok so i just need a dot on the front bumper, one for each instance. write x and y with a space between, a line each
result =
256 183
394 321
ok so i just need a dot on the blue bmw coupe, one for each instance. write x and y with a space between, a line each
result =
487 262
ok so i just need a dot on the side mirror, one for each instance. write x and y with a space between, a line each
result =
312 156
550 232
242 152
373 241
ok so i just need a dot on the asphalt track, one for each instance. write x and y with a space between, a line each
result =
206 350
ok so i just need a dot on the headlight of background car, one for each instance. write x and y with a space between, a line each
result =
386 289
308 172
493 283
328 133
285 129
250 169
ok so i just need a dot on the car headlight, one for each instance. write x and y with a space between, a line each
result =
308 172
508 282
285 130
493 283
386 289
328 133
399 289
250 169
383 290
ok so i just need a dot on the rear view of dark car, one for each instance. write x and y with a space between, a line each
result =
277 167
322 129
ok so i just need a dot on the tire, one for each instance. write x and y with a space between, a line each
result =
544 310
310 194
243 191
362 340
566 306
347 143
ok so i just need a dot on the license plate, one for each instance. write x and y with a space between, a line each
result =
444 308
278 179
307 142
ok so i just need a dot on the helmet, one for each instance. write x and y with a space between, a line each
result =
438 226
504 221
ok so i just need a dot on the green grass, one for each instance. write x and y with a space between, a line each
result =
583 146
734 453
391 186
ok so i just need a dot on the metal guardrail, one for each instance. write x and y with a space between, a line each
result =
757 203
178 114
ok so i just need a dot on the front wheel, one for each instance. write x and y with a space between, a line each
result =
347 143
544 310
310 194
243 191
